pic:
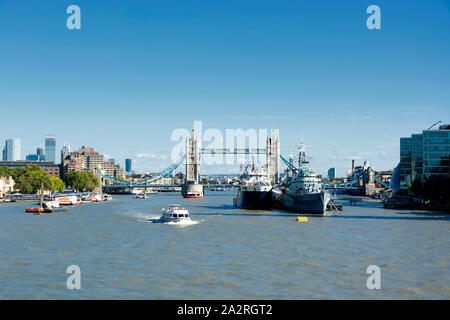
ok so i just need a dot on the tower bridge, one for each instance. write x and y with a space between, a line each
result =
192 158
192 186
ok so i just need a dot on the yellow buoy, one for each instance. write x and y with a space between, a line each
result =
302 219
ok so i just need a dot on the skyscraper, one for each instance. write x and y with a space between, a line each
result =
425 154
12 150
332 173
40 153
128 168
50 148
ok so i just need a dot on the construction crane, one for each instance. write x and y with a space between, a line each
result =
434 125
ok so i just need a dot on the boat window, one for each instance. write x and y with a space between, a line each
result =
175 215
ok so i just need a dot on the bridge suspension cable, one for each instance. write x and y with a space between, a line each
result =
384 184
163 174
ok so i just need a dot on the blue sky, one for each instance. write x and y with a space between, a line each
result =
137 70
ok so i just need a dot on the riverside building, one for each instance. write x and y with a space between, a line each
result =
49 167
425 154
87 159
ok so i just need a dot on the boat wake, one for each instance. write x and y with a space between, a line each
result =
152 218
145 217
182 223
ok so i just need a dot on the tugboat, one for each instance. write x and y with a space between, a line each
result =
302 189
255 189
175 213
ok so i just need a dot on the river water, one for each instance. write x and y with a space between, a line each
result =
228 254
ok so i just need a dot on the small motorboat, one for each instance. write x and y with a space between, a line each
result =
107 197
175 213
141 195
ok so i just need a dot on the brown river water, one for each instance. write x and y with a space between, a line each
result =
228 254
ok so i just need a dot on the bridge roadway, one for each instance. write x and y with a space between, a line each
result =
354 199
125 186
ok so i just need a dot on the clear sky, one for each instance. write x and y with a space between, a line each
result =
137 70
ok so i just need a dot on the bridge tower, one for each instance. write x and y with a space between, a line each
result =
273 157
192 158
192 187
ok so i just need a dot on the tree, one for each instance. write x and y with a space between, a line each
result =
32 167
17 172
82 181
31 181
56 184
5 172
90 181
70 178
23 185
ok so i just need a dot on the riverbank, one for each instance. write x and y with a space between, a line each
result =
432 207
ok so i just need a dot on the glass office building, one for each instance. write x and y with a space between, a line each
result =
12 150
332 173
40 153
436 152
128 168
50 149
405 161
425 154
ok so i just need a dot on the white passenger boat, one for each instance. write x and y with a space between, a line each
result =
141 195
107 197
68 200
175 213
50 204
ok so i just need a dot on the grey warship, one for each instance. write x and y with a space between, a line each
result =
301 190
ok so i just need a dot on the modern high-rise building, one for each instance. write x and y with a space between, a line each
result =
128 167
38 156
331 173
32 157
425 154
50 148
40 153
12 150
